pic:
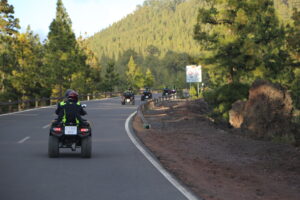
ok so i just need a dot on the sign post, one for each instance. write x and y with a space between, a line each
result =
194 75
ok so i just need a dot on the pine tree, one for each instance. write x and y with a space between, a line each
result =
293 44
8 24
131 72
8 29
293 38
149 79
64 60
27 77
241 38
111 78
134 75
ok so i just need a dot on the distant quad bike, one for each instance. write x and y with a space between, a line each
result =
128 97
146 95
166 92
173 93
70 136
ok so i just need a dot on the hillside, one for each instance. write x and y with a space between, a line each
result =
166 24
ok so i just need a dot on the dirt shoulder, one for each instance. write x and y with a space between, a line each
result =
218 164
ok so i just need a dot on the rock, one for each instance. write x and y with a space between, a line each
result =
267 112
236 114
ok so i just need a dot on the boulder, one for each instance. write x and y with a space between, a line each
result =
266 113
236 114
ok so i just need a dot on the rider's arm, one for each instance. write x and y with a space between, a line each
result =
82 111
58 108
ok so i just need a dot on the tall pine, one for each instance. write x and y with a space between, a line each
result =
63 56
243 40
111 78
9 26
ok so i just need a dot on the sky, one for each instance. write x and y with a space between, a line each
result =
88 16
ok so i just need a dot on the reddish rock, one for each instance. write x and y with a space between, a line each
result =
267 112
236 114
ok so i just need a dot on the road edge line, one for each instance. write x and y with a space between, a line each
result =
152 159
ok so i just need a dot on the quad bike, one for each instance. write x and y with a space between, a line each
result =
146 95
128 98
166 92
173 94
71 136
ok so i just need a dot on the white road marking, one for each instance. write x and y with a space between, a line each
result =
23 140
46 126
23 114
188 194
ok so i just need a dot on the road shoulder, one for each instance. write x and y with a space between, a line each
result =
217 164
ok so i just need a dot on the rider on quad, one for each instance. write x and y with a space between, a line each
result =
147 94
70 110
166 92
70 130
128 97
60 104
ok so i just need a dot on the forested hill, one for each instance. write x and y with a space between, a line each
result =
166 24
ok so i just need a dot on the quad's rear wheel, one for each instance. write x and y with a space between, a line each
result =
53 146
86 147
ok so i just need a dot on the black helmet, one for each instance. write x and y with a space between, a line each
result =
73 96
68 92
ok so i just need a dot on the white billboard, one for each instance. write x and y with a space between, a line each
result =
193 74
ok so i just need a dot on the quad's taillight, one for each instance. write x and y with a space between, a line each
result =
84 130
57 129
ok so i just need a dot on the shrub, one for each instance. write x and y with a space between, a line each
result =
295 93
223 97
193 92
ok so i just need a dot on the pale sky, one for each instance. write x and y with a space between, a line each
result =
88 16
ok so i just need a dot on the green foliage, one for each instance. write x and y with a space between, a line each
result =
293 38
26 76
92 82
285 8
134 75
8 24
111 78
152 46
149 79
241 37
223 97
295 88
293 46
8 29
162 24
193 92
64 60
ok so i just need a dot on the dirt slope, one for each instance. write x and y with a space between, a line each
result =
215 163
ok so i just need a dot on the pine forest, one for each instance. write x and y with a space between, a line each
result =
235 42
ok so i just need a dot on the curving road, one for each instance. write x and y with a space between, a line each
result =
116 171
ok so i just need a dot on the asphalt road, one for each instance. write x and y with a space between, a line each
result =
116 171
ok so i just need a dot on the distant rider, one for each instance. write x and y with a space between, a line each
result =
131 92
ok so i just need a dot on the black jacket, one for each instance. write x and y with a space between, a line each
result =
70 112
59 107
